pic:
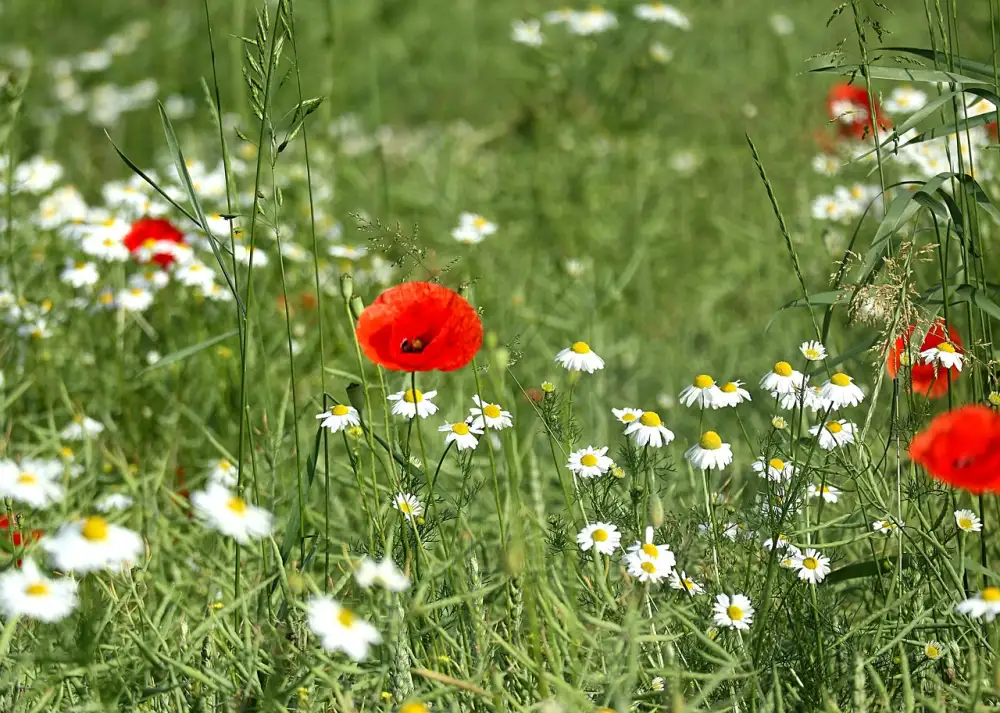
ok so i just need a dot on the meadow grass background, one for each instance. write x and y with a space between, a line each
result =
578 150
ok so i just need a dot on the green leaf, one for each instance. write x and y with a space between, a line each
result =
901 74
867 568
186 352
293 529
977 298
833 297
966 65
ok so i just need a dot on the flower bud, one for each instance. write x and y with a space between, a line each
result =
346 286
357 306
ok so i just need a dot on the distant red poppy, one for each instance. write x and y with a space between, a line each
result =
992 132
962 448
154 240
847 105
925 379
420 326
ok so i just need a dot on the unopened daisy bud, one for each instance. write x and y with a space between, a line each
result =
357 306
617 471
548 387
778 422
303 693
385 696
656 515
346 286
994 398
514 561
501 358
491 341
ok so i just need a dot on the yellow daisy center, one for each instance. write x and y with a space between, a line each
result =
703 381
81 265
109 222
648 567
480 222
965 523
460 428
491 411
66 452
688 583
812 354
95 529
599 535
413 397
734 612
27 479
783 368
777 463
339 410
651 550
710 441
106 298
237 505
346 618
589 460
731 387
991 594
834 427
810 563
109 243
136 291
840 380
404 507
581 348
413 708
946 347
628 417
932 651
650 419
37 589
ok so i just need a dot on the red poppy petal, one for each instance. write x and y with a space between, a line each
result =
962 448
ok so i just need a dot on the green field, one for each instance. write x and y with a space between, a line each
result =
652 190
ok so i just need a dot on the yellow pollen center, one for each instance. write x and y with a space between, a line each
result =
599 535
95 529
648 567
81 265
810 563
404 507
730 388
492 411
106 298
109 243
460 428
812 354
66 452
237 505
346 618
688 583
339 410
710 441
650 419
38 589
834 427
991 594
628 417
27 479
734 612
480 222
581 348
413 397
651 550
965 523
840 380
136 291
413 708
932 651
777 463
589 460
703 381
946 347
109 222
783 368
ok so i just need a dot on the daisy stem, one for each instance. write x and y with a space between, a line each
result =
431 500
493 462
819 637
361 490
711 527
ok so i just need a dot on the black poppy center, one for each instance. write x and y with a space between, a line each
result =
413 346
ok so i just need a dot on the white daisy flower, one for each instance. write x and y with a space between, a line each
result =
340 629
774 469
647 548
733 612
781 24
933 650
813 350
828 492
223 472
151 279
590 462
826 164
602 536
409 505
710 453
592 22
80 274
812 566
224 511
627 415
685 584
648 569
461 434
661 12
473 228
487 415
905 100
105 299
113 502
944 355
657 685
339 418
527 32
81 428
702 391
783 379
36 175
385 574
26 592
195 274
985 605
33 482
649 430
93 544
780 543
105 247
834 434
410 403
660 53
828 207
134 299
841 391
557 17
887 527
968 521
812 399
580 357
731 394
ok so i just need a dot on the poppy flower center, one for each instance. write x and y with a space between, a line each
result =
37 589
600 535
492 411
730 388
648 567
834 427
27 479
339 410
413 397
734 612
946 347
991 594
412 346
650 419
651 550
581 348
461 429
237 505
346 618
710 441
589 460
810 563
783 368
703 381
95 529
777 463
840 380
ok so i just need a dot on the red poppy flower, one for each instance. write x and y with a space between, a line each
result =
962 448
151 240
992 132
847 104
420 326
926 379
